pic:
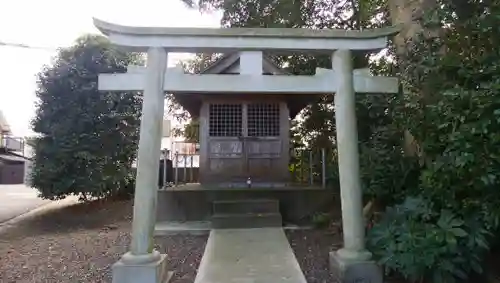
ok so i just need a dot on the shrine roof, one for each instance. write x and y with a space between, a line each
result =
228 60
224 65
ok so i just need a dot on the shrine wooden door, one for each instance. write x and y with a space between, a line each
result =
246 140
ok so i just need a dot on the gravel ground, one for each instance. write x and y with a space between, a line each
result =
184 255
311 249
81 246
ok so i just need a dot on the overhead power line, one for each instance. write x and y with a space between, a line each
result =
26 46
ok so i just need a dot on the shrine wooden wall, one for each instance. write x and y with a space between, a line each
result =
253 153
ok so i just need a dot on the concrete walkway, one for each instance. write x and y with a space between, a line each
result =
18 199
40 210
260 255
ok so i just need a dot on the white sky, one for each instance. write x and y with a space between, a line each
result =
57 23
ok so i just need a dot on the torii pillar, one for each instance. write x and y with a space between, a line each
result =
143 264
353 261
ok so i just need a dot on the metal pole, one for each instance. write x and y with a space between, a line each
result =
311 167
323 168
191 171
176 180
165 168
185 168
169 158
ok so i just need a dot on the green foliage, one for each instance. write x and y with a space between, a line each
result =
191 131
321 220
422 244
87 139
450 105
386 173
459 129
190 128
459 125
303 169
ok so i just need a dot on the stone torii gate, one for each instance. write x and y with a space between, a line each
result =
142 263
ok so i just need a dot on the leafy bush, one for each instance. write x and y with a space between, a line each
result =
419 243
126 191
87 138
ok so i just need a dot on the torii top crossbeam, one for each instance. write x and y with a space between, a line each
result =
225 40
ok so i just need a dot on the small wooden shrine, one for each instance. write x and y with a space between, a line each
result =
244 137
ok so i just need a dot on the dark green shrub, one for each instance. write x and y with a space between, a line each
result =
419 243
86 139
126 191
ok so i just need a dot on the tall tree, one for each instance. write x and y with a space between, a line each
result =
411 16
87 138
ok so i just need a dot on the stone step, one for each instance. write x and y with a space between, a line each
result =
237 221
246 206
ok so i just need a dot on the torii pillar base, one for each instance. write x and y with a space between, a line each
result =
129 270
355 270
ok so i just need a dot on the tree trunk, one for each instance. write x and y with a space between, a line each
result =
409 14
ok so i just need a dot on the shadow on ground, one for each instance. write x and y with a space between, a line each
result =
88 215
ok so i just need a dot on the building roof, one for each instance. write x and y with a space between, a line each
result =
229 60
226 65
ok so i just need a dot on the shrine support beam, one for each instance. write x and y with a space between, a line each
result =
177 82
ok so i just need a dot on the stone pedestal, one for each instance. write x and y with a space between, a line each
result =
360 270
131 269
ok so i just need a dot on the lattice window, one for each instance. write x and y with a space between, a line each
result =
263 120
225 120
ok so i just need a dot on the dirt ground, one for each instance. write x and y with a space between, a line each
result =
79 243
